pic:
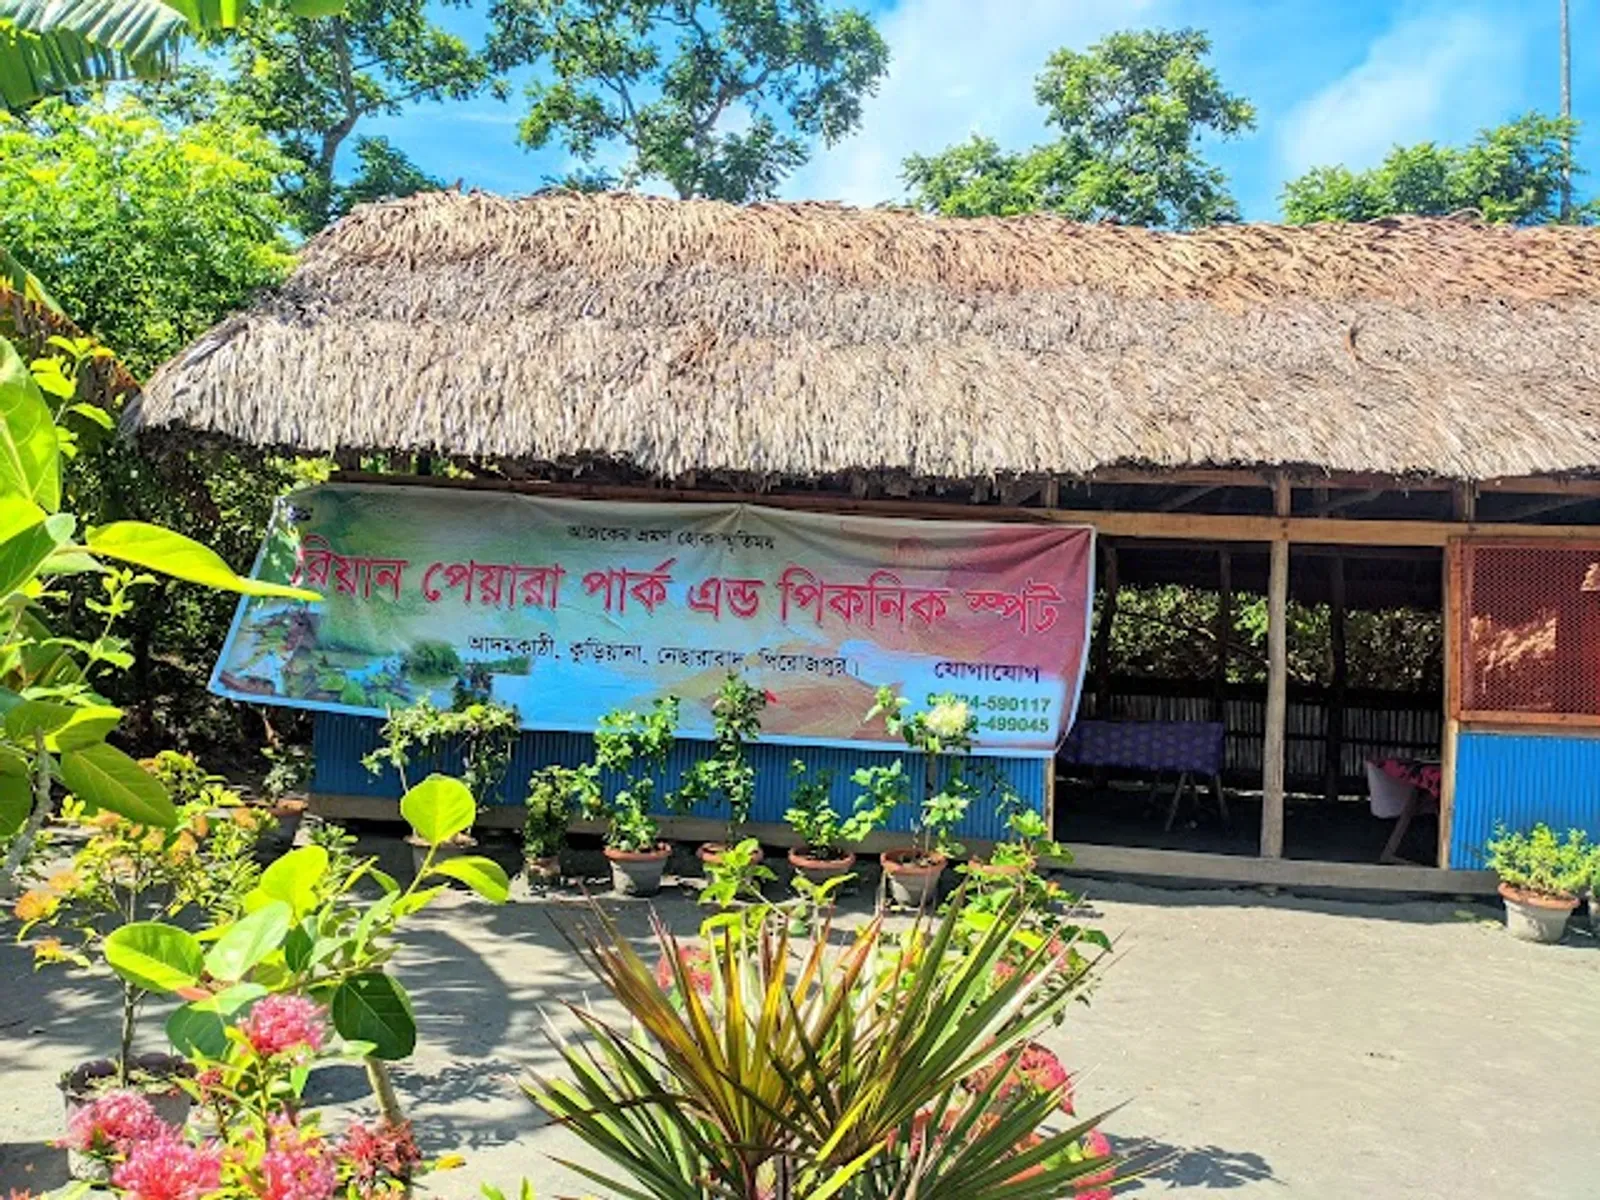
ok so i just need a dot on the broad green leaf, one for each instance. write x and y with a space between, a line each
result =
30 458
154 956
297 945
105 777
23 555
65 726
482 875
159 549
247 941
201 1027
312 9
94 414
373 1007
438 809
18 512
13 761
16 802
293 879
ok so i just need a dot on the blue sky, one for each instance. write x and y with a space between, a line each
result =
1332 80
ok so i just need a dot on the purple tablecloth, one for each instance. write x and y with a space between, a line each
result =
1193 746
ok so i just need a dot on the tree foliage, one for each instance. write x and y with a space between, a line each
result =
1511 173
1130 112
146 234
717 98
311 83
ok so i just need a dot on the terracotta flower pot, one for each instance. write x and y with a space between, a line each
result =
711 852
638 872
817 871
1534 917
86 1082
542 870
454 848
913 883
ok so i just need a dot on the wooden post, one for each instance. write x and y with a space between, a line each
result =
1450 627
1272 757
1333 768
1224 633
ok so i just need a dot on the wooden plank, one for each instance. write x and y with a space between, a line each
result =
1450 626
1272 748
1086 859
1203 527
1477 717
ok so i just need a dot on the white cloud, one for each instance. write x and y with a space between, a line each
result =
1438 76
958 67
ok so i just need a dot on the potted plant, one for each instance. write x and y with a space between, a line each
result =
736 722
1540 878
942 734
635 746
735 875
283 789
824 836
555 795
485 734
1028 838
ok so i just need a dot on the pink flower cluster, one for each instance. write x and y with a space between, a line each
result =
696 962
381 1159
285 1024
169 1168
297 1165
112 1124
1037 1069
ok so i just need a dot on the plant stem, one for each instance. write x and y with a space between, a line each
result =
130 1004
41 813
383 1091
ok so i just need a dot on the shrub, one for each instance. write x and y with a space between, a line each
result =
1542 863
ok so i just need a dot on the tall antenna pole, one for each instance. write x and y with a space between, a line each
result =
1566 109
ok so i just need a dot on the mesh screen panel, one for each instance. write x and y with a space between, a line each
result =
1530 628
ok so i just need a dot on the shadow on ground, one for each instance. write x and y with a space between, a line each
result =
1211 1167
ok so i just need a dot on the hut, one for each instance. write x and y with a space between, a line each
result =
1356 417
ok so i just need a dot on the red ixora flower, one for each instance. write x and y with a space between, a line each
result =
284 1023
375 1158
696 962
169 1168
112 1124
1037 1069
297 1164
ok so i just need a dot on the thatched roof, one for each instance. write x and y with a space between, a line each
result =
810 340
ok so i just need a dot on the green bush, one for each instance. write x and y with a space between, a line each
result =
1541 862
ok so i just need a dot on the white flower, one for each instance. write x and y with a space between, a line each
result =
948 719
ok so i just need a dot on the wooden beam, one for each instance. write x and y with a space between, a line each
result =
1449 622
1349 500
1197 527
1463 502
1272 755
1185 498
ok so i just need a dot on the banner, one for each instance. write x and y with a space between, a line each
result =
567 609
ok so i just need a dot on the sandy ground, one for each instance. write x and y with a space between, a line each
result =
1266 1046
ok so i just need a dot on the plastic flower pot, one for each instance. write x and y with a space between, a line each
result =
152 1076
1533 917
913 878
637 872
817 871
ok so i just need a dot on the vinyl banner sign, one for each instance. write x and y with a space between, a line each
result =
567 609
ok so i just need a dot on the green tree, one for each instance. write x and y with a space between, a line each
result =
717 98
311 84
1130 112
1512 173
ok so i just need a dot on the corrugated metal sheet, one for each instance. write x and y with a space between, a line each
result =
1519 780
340 741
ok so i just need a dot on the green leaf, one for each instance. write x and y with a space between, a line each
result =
293 879
316 8
65 726
373 1007
201 1027
30 458
159 549
297 945
247 941
16 802
438 809
482 875
94 414
154 956
23 555
105 777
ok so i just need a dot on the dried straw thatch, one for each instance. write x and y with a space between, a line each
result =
810 340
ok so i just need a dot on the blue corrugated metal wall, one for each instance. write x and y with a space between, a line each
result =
1518 780
339 742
